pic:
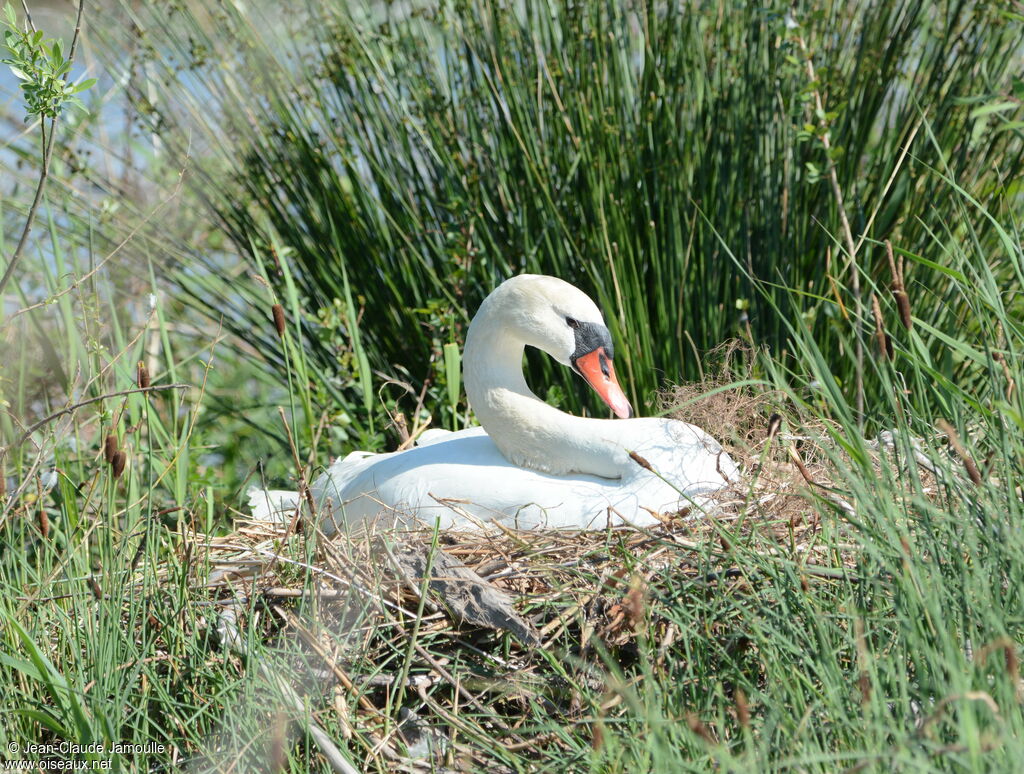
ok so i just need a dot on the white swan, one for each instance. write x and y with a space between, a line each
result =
529 465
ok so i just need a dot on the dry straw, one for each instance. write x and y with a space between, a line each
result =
579 591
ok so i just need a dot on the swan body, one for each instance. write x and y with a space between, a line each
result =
530 465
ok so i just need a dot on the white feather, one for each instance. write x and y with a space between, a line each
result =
533 466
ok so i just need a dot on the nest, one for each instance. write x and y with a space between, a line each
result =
464 632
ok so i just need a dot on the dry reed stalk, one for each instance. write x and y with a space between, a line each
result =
899 287
882 339
968 462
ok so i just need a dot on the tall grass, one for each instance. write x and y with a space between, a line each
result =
418 157
379 173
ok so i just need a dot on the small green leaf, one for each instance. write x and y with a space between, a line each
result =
452 372
1010 126
996 107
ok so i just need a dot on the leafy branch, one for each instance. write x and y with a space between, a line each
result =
43 70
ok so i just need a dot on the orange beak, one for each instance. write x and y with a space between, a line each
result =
596 368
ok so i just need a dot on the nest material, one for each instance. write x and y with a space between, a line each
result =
475 619
462 631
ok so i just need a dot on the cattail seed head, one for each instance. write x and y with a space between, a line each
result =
118 462
742 708
143 379
640 461
44 522
1012 663
864 685
697 727
1011 384
899 286
110 448
278 312
278 754
903 304
94 587
635 603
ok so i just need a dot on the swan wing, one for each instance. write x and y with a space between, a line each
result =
465 482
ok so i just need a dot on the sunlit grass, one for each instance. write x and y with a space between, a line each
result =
404 163
377 177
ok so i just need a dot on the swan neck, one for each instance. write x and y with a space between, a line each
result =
526 430
493 359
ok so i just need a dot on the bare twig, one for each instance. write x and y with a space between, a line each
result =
117 248
28 15
44 173
75 406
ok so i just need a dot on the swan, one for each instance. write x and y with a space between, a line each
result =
529 465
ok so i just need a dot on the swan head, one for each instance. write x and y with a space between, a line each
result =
561 320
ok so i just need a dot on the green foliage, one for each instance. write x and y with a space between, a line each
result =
42 68
663 158
379 172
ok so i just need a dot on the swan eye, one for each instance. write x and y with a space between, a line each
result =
572 323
